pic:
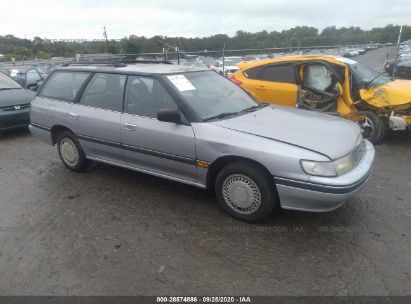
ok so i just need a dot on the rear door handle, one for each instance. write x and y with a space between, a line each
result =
130 126
73 115
260 87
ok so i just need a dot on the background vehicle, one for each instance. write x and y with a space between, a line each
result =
403 67
229 67
14 104
333 85
193 126
29 77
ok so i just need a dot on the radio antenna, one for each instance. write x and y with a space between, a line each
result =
107 45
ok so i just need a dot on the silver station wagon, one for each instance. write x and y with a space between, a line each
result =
194 126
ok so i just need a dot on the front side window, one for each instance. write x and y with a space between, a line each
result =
146 96
33 76
317 76
105 91
211 95
64 85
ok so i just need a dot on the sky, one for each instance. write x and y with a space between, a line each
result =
85 19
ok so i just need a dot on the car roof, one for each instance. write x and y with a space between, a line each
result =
134 68
20 68
244 65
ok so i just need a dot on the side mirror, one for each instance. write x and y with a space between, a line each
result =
169 115
34 86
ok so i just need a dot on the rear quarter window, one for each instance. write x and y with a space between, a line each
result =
64 85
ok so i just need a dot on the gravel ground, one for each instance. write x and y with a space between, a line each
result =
111 231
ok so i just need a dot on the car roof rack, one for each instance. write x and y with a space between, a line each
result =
117 63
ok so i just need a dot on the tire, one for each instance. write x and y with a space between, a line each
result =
245 191
71 153
373 127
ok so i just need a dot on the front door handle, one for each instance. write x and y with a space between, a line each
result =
73 115
130 126
260 87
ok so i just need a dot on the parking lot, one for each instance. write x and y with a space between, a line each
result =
111 231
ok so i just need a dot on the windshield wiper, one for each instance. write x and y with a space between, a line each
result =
253 108
221 115
369 82
3 89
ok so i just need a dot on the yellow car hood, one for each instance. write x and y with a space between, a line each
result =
394 93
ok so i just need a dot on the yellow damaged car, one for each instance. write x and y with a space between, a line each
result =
333 85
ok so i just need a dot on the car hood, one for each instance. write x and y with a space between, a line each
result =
394 93
15 97
325 134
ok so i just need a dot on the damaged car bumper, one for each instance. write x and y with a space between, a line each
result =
399 122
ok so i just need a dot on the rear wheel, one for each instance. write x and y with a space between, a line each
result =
71 153
245 191
373 127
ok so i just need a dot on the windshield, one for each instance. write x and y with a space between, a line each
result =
6 83
211 95
366 77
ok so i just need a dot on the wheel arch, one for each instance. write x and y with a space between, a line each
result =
223 161
56 130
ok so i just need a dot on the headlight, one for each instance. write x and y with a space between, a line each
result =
335 167
320 168
329 168
344 164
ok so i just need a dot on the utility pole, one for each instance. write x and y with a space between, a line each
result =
223 59
178 52
394 70
108 49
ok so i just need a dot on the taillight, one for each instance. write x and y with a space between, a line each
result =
235 80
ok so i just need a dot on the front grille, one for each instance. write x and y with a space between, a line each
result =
12 124
358 153
16 107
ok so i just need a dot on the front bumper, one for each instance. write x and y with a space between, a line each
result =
14 119
321 194
399 122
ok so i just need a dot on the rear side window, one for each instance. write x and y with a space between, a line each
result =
64 85
278 73
275 73
105 91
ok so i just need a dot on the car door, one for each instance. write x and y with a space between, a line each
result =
149 144
96 117
274 83
56 97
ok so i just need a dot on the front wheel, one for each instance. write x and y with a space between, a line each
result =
373 127
245 191
71 153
